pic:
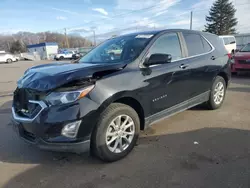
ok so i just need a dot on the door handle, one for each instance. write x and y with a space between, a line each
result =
213 58
183 66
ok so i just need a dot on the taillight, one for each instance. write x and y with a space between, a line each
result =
229 55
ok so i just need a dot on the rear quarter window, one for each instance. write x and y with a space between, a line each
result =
196 44
217 43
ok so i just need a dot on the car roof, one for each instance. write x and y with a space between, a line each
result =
155 32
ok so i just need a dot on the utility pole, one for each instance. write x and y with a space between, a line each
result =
191 20
66 38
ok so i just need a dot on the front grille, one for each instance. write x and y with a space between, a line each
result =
22 105
244 62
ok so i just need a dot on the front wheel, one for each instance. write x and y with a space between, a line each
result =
217 94
9 61
116 133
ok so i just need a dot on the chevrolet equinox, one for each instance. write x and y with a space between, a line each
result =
102 101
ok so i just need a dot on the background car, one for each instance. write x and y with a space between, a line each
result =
77 56
241 60
8 58
64 55
82 52
229 43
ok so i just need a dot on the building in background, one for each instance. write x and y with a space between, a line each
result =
242 40
46 50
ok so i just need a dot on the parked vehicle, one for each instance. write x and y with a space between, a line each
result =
64 55
241 60
77 56
229 42
8 58
102 104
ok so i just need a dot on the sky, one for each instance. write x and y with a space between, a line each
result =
109 17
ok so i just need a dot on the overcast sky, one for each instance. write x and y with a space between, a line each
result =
107 16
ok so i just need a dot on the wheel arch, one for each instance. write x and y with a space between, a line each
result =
135 104
125 98
224 76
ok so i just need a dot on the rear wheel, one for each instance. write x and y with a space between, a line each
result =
217 94
61 58
116 132
9 61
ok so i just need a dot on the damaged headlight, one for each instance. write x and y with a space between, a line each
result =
57 98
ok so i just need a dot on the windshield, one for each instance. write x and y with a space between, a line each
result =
246 48
121 49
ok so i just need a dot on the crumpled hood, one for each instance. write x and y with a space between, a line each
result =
49 76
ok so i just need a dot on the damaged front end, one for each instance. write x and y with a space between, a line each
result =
56 84
51 104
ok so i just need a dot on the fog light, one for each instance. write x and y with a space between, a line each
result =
70 130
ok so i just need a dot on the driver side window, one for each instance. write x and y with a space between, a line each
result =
167 44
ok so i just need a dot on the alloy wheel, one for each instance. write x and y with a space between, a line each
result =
120 133
219 93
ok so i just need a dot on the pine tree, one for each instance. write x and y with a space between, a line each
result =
221 19
17 47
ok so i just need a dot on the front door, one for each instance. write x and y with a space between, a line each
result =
167 84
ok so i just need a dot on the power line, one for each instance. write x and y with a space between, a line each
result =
119 15
147 9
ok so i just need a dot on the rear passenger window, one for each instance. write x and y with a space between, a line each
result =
196 44
167 44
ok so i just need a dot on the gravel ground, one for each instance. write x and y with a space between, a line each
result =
196 148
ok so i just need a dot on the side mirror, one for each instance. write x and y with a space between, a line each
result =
156 59
237 50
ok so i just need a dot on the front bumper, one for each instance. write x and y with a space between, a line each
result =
78 147
236 67
44 130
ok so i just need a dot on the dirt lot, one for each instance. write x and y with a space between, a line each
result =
196 148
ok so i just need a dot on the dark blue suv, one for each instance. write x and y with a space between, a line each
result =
101 103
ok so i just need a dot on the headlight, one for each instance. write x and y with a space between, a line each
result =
57 98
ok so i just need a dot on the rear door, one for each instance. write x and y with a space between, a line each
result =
200 57
167 84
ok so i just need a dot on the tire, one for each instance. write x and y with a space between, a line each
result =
212 103
61 58
99 140
9 61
